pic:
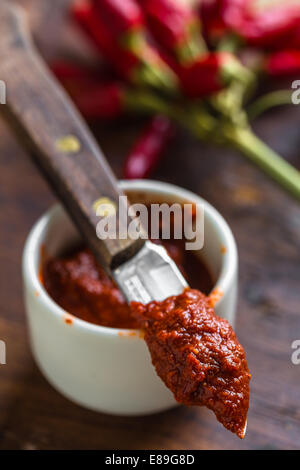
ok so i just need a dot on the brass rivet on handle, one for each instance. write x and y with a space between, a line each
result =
104 207
68 144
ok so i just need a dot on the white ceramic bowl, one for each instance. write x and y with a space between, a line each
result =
102 368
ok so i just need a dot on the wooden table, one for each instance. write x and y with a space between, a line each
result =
266 224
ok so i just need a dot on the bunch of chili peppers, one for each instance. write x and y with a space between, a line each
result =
184 65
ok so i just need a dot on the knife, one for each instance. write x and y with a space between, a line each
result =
63 148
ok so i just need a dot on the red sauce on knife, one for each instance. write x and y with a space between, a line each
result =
198 356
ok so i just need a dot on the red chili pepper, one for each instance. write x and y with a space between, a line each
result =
122 16
126 20
294 40
213 26
149 148
175 27
270 28
96 30
102 101
67 71
283 63
234 13
64 71
210 74
135 60
94 97
202 77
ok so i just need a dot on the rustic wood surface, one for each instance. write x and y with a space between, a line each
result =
266 224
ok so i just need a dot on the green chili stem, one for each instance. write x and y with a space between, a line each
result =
201 124
270 100
229 43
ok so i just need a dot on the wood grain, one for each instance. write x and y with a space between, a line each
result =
266 224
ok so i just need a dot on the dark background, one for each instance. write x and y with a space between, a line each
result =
266 224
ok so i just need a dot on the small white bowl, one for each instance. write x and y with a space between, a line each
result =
107 369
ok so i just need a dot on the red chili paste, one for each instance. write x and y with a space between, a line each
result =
198 356
81 287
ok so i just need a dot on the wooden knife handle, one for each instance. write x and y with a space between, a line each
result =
63 147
